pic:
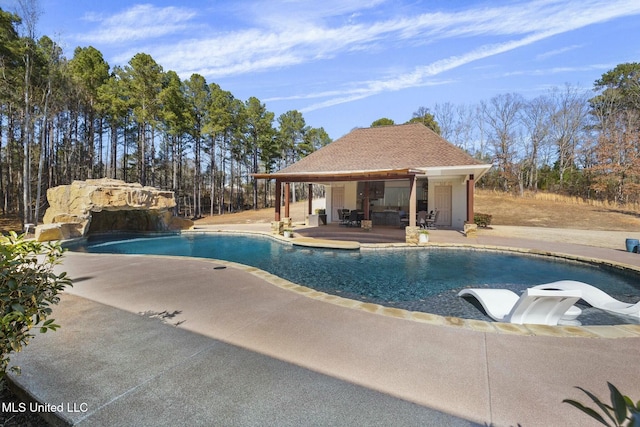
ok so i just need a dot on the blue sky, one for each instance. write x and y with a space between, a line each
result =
347 63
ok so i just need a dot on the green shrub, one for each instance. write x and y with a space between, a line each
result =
622 411
482 220
28 287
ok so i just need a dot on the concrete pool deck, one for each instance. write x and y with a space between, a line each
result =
228 348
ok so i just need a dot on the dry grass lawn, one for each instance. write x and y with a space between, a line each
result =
531 210
10 223
554 211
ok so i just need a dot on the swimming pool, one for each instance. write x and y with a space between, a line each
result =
423 279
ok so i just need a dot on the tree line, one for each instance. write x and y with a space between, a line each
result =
571 141
67 119
74 119
583 143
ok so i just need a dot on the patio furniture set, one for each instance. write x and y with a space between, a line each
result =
351 218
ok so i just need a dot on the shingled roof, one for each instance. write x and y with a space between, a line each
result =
409 146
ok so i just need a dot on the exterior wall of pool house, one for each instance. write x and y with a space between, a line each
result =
451 215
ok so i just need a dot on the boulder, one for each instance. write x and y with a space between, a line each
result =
470 229
47 232
102 205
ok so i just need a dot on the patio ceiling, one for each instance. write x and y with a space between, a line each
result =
373 175
378 175
464 170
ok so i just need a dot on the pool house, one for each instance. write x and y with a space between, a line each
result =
388 174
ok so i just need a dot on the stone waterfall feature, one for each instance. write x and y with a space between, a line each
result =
102 205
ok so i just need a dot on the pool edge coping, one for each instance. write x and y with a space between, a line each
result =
593 331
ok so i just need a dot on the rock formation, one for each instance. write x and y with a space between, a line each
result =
101 205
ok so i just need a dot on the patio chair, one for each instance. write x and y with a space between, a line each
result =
354 218
422 219
595 297
341 217
535 306
404 218
430 221
345 214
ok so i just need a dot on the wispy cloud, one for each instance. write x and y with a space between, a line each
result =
284 34
556 52
292 13
544 28
559 70
420 75
140 22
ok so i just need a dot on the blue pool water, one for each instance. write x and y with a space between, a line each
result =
424 279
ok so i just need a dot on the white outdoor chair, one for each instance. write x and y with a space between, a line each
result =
595 297
535 306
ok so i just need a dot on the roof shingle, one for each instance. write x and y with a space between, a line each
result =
406 146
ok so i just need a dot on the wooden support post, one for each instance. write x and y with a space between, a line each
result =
278 199
470 227
287 194
470 196
309 212
413 196
366 200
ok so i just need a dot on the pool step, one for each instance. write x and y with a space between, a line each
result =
321 243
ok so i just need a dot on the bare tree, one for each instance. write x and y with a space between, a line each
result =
445 117
535 117
501 116
570 109
477 120
456 124
29 11
463 129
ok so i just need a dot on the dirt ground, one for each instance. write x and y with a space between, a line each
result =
506 210
10 223
540 210
552 211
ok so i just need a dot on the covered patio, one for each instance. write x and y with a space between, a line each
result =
384 172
